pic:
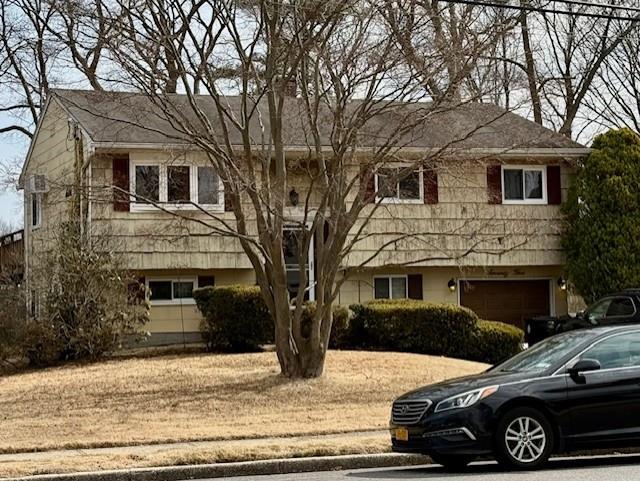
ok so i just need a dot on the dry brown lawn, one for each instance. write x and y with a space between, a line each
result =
283 448
205 397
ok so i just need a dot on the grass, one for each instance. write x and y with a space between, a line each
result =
206 397
223 454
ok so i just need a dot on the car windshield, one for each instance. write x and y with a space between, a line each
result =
543 355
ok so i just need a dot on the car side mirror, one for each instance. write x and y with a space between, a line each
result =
583 365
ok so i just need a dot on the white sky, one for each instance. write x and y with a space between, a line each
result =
13 148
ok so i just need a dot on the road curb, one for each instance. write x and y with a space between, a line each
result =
245 468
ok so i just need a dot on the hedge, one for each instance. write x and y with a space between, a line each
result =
493 342
235 318
412 326
428 328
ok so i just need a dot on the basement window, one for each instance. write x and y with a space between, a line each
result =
168 291
390 287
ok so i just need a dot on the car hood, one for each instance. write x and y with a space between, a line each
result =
451 387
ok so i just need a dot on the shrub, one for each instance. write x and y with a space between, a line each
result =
235 318
427 328
87 300
602 238
493 342
413 326
340 333
12 321
42 344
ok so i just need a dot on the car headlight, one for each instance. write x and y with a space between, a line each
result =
465 399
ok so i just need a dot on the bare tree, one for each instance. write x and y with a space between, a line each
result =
452 46
26 58
45 44
563 53
354 88
614 99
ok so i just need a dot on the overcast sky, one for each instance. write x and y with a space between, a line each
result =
12 148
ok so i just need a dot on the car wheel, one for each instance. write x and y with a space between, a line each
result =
452 462
524 439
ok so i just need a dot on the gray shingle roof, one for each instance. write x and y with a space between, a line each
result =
132 118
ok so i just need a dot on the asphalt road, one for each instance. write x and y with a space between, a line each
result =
600 468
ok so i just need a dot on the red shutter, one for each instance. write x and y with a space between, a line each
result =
367 178
430 181
554 192
494 184
414 286
228 198
121 183
136 291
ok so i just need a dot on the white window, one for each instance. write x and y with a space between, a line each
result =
36 210
524 185
409 189
175 186
390 287
165 290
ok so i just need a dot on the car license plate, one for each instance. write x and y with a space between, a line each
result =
402 434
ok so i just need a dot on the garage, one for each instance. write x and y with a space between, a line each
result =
506 301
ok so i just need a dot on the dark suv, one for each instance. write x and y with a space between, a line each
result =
617 308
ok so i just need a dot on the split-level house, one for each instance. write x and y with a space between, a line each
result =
506 179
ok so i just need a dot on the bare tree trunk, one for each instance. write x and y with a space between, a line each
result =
530 69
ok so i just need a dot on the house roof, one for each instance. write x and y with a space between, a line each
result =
133 118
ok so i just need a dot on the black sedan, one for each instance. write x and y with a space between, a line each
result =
576 390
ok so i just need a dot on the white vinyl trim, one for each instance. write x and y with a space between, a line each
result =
389 278
163 188
397 199
172 279
524 200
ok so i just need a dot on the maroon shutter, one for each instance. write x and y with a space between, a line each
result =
206 281
136 291
554 193
414 286
121 183
494 184
430 181
367 178
228 198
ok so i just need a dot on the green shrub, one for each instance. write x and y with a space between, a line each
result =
12 321
493 342
340 334
236 318
413 326
428 328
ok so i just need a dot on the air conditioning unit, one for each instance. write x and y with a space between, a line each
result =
38 184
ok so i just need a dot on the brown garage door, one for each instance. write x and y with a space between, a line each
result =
506 301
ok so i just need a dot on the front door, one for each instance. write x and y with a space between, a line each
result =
291 245
604 405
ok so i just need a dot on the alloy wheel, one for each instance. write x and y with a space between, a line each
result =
525 439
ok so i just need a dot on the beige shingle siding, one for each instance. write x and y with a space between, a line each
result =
52 155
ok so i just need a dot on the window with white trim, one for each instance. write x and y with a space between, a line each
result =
36 210
175 186
171 290
524 185
390 287
407 189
